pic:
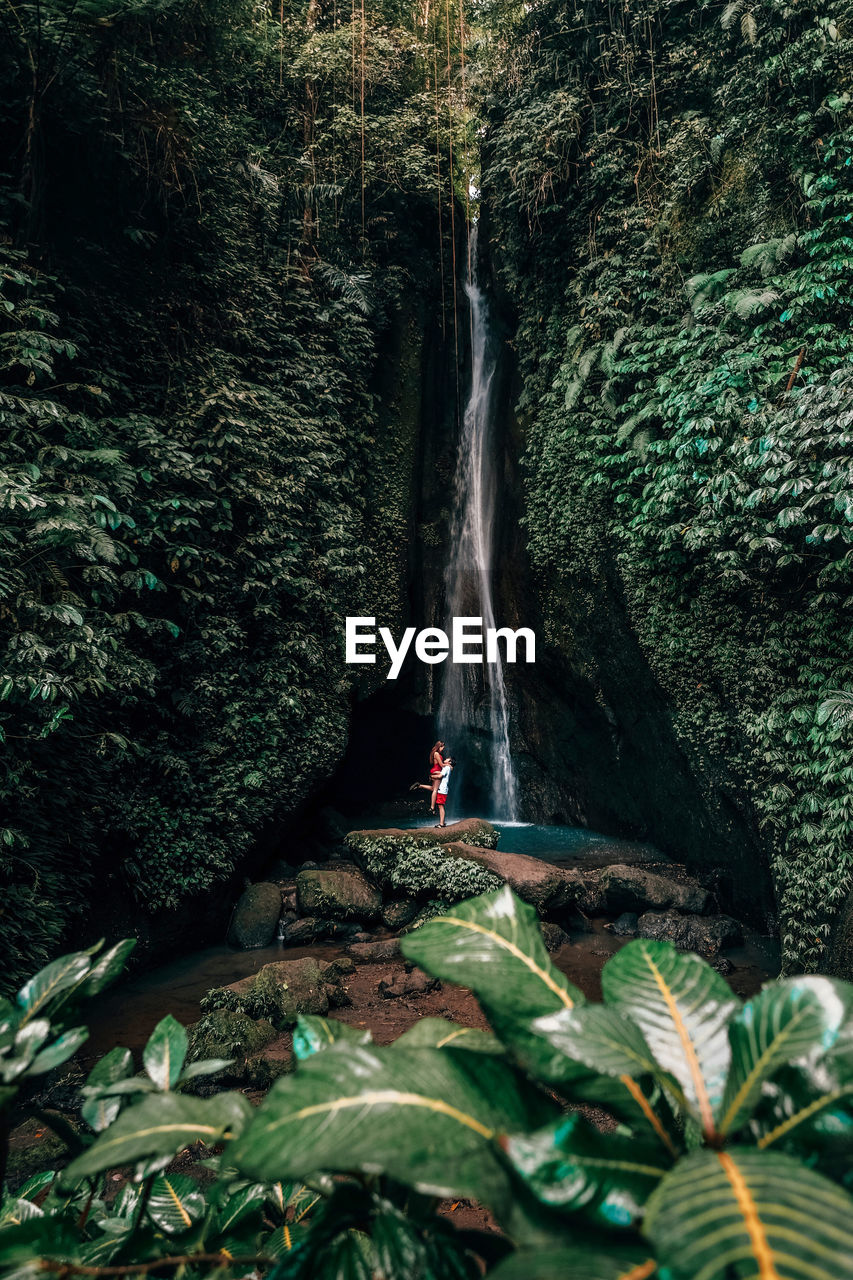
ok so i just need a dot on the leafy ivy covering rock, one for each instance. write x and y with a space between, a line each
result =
419 868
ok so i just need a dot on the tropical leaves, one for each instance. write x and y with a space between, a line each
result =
741 1213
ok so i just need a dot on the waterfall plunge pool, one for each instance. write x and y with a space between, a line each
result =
537 840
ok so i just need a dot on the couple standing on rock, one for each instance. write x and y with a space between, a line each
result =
440 769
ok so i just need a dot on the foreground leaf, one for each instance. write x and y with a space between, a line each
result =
439 1033
493 945
35 996
175 1202
739 1214
683 1008
788 1020
314 1033
164 1055
161 1125
572 1166
577 1262
424 1116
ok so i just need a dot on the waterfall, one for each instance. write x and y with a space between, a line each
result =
473 697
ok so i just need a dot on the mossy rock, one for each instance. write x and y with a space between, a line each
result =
29 1154
225 1033
255 917
338 894
279 992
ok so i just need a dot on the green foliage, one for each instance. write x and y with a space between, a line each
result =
192 316
678 246
420 869
727 1139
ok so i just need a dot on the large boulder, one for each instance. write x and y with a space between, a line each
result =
255 917
280 991
474 831
706 935
341 893
634 888
544 886
396 915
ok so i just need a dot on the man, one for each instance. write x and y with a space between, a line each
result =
441 793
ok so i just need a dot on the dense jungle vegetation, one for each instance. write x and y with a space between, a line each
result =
670 188
210 212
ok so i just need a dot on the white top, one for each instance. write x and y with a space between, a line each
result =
444 780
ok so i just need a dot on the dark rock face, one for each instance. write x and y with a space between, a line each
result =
341 893
706 935
625 926
839 951
397 915
637 888
553 936
255 917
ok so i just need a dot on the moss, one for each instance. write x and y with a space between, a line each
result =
421 869
225 1033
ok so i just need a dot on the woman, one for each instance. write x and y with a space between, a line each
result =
436 764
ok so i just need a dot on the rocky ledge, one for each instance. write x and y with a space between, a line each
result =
398 878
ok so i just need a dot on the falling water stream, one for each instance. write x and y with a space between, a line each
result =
474 695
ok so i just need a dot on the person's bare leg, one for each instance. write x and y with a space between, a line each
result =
441 821
434 792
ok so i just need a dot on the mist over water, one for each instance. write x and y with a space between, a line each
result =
473 696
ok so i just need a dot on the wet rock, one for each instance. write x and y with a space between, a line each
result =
474 831
543 885
297 932
340 967
626 925
361 936
416 983
255 917
396 915
706 935
633 888
374 952
554 937
341 893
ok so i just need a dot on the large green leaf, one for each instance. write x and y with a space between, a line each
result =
683 1008
787 1020
164 1054
35 996
807 1111
105 970
439 1033
572 1166
312 1034
175 1203
424 1116
580 1261
493 945
743 1214
161 1125
62 1048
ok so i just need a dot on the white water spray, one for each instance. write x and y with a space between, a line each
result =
476 694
